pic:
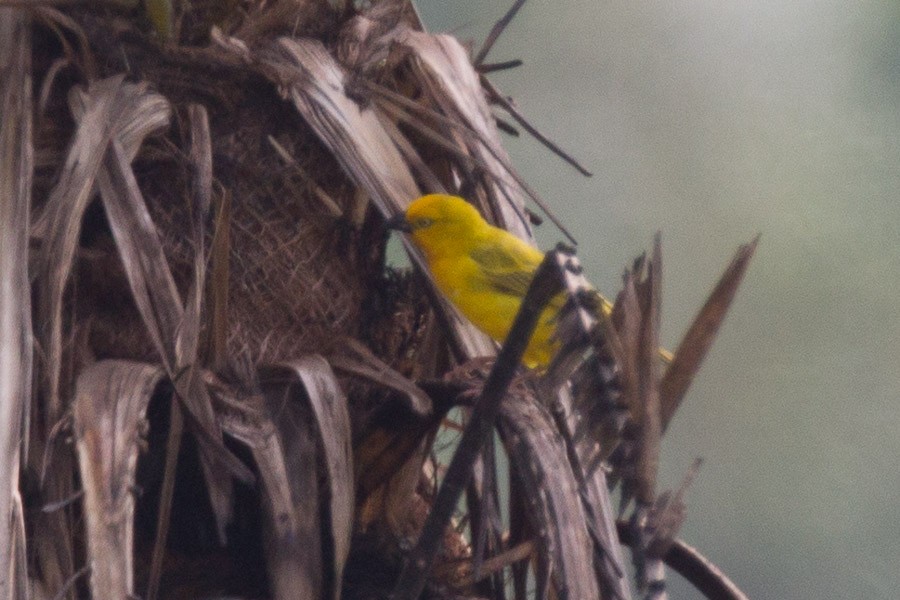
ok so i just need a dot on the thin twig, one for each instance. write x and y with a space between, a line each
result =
500 66
513 111
323 197
496 30
422 171
59 504
404 102
70 582
505 127
689 478
397 112
52 15
64 423
498 562
47 84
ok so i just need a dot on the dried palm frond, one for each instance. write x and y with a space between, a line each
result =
111 399
304 423
256 402
16 163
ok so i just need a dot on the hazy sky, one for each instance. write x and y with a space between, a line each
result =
712 121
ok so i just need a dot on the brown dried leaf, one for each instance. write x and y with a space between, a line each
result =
151 282
359 360
154 110
16 170
550 496
187 343
154 292
156 297
315 83
291 484
585 452
187 339
626 318
63 214
284 451
110 402
422 171
636 317
609 561
700 336
164 511
329 406
649 426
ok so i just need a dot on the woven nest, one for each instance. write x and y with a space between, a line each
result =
300 270
305 248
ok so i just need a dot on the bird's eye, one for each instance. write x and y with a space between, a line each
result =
422 223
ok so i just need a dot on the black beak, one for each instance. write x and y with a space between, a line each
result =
398 222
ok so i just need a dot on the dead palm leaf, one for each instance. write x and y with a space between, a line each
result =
243 180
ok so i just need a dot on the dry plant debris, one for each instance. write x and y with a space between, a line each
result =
209 382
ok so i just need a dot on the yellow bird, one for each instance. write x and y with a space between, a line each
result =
484 270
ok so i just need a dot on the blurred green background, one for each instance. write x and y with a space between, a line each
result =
712 121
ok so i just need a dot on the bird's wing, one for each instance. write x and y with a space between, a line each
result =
507 263
508 266
502 272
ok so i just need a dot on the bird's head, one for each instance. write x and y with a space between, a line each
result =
439 223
